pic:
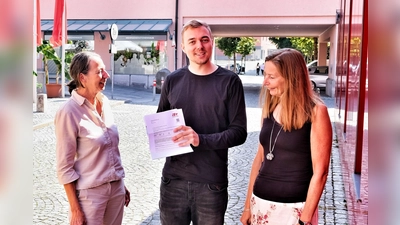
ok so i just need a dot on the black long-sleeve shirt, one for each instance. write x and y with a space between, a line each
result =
214 106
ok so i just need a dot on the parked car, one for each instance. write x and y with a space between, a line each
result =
315 63
312 63
318 76
239 68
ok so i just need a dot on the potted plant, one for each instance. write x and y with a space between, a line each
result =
48 53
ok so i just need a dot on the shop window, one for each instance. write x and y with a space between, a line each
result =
139 57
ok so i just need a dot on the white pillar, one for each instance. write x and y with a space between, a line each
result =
63 36
34 58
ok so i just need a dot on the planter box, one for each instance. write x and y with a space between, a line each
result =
53 90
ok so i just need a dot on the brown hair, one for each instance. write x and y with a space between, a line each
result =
298 99
195 24
79 64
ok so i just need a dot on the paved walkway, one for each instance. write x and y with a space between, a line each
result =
129 105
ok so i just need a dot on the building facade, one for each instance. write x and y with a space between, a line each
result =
155 26
351 95
150 36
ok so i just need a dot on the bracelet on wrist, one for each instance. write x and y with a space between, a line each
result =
246 210
304 223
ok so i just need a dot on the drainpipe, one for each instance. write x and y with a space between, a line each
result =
176 34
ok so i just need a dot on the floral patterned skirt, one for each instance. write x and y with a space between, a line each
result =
276 213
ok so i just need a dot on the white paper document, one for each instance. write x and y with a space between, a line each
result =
159 127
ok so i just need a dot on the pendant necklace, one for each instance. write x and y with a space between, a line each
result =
270 156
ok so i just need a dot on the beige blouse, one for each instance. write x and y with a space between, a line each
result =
87 143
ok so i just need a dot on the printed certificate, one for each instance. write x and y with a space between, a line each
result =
159 127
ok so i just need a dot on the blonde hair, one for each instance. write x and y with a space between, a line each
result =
298 99
195 24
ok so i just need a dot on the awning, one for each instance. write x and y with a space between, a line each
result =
124 26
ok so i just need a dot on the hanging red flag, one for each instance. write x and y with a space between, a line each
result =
38 24
59 11
160 46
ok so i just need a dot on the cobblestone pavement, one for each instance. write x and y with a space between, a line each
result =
130 104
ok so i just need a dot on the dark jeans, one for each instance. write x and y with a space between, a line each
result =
185 201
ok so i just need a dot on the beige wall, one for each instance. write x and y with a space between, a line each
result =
106 9
156 9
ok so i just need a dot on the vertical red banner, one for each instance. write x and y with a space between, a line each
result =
38 24
59 11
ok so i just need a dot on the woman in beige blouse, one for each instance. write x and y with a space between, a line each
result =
88 158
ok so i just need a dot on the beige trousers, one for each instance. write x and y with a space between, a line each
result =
103 204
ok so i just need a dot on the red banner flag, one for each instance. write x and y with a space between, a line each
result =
38 24
59 11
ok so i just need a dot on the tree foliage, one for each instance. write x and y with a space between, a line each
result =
306 45
246 46
49 53
281 42
232 45
228 45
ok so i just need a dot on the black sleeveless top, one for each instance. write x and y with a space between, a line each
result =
287 176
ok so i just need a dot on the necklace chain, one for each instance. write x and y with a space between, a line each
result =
270 156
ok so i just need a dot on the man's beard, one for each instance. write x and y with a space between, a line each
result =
202 61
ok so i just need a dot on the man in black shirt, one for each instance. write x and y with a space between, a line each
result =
194 185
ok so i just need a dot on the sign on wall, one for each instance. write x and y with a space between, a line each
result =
142 37
74 37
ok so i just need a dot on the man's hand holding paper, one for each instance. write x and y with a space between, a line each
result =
186 136
168 134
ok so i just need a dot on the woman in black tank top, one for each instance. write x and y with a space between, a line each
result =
290 168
